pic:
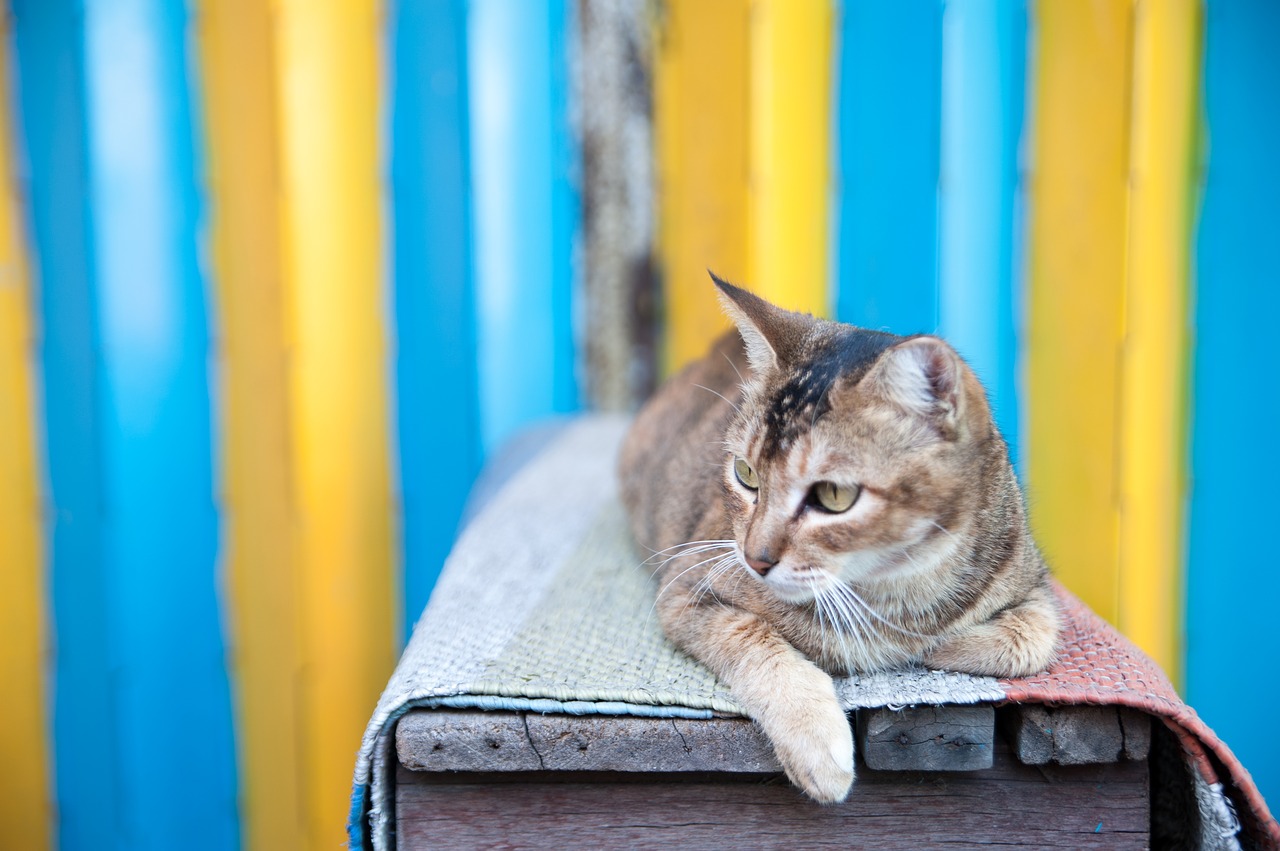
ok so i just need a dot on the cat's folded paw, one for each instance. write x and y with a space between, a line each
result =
817 753
1018 642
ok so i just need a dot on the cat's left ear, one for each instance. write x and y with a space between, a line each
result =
771 334
924 377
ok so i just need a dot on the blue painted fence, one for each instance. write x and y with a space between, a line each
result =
436 380
1233 574
141 717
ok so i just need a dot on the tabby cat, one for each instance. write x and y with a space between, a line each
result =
826 499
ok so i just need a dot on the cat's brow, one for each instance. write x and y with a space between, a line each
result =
803 397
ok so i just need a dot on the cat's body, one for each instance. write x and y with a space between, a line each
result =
825 500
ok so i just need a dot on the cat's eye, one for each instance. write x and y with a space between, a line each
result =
834 498
745 474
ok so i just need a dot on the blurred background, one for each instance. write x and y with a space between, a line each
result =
277 276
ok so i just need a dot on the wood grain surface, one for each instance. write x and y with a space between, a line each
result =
927 738
1010 804
469 740
1076 735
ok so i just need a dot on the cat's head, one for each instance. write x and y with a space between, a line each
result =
854 452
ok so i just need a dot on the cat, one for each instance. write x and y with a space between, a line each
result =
824 500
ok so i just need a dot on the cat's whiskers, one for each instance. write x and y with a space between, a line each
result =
722 396
945 530
820 605
855 606
856 599
718 569
907 555
852 660
689 551
822 622
741 380
693 548
840 622
676 578
659 568
743 570
677 547
863 631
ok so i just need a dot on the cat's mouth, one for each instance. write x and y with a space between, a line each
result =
797 585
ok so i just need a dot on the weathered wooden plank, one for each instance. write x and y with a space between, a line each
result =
471 740
927 738
1136 727
445 740
620 290
1077 735
1096 806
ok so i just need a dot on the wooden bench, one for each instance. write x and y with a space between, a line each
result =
929 776
503 631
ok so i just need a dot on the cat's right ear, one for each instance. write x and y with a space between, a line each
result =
770 333
923 376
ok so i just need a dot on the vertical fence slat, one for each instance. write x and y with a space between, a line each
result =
260 550
136 601
156 437
24 793
525 211
1232 579
433 284
789 164
565 174
328 91
983 89
1078 227
701 93
618 285
51 95
888 115
1153 362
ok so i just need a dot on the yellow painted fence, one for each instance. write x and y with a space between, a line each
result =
742 123
24 805
1111 187
293 94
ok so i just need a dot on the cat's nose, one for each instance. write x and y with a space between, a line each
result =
760 563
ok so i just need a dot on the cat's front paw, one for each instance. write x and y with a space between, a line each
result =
816 751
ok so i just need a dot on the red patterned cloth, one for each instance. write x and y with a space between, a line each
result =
1099 666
